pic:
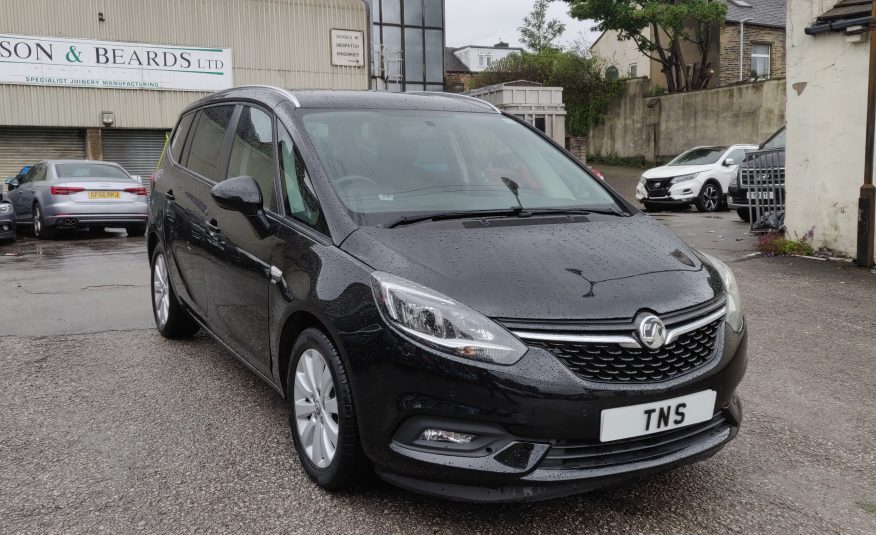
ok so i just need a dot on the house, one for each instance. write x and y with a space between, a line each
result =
828 55
750 45
462 64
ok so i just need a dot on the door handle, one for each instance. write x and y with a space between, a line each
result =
169 195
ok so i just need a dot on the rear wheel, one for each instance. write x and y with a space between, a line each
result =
709 199
171 319
744 214
321 413
41 230
136 230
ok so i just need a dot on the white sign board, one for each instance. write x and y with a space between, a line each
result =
348 48
59 61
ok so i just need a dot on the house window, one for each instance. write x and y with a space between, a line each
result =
612 73
760 61
634 70
485 59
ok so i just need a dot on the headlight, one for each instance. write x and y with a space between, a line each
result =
642 180
441 323
734 179
4 208
734 301
684 178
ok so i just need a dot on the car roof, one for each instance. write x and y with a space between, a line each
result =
353 99
102 162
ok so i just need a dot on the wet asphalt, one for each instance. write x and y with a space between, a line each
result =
105 427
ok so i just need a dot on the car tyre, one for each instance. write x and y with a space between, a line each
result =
135 231
651 207
744 214
320 400
41 230
709 199
171 319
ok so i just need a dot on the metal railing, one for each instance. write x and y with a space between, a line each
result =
763 175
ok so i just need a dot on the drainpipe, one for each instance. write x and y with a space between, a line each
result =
867 200
742 45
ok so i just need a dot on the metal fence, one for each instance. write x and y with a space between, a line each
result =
764 178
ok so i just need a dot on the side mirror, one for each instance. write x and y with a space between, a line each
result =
12 184
242 194
729 162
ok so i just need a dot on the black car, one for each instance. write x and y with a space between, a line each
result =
442 294
767 166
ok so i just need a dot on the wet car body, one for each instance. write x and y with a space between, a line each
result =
256 282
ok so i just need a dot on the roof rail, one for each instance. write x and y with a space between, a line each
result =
456 96
285 92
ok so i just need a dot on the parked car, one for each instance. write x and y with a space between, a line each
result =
443 293
64 194
767 164
7 221
699 176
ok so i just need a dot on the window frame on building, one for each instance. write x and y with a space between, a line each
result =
767 56
633 70
408 29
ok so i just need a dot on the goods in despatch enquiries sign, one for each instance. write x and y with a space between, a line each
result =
59 61
348 48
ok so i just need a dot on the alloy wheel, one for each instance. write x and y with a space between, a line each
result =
160 290
316 408
37 221
710 198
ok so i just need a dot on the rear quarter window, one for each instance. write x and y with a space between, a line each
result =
207 141
179 137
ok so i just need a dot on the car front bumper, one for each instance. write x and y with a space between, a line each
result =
524 413
7 228
684 193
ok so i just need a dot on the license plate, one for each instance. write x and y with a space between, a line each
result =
760 195
104 195
656 417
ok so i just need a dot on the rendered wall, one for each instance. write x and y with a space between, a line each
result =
658 128
827 100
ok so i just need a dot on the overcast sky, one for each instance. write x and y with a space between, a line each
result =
483 22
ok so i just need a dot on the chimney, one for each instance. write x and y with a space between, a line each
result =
501 44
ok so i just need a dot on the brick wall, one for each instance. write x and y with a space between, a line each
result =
578 147
729 68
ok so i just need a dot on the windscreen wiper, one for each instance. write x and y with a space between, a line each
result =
443 216
614 210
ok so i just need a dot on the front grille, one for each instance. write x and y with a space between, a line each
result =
614 363
658 188
570 455
765 177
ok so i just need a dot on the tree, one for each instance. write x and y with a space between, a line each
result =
538 33
660 28
586 93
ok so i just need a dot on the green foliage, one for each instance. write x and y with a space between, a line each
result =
586 93
538 33
777 244
680 21
657 91
617 161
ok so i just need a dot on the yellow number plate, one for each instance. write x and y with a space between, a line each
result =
104 195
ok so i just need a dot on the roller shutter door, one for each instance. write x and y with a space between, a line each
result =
25 146
138 151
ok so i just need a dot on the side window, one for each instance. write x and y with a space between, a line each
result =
298 196
252 153
28 177
179 137
39 174
209 136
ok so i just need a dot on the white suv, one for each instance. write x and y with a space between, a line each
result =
698 176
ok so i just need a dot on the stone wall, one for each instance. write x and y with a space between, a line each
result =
658 128
729 70
578 147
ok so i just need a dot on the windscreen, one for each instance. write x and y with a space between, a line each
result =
699 156
384 164
775 142
89 170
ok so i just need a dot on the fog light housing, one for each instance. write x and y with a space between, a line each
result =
447 437
6 228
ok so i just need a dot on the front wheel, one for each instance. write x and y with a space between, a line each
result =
709 199
321 413
41 230
744 214
171 319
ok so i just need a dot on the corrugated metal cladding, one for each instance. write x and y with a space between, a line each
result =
24 146
138 151
275 42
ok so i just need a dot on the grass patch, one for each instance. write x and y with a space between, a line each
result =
778 244
618 161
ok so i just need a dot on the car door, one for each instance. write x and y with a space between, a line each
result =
187 191
240 277
26 192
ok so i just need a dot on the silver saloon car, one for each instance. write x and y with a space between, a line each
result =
65 194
